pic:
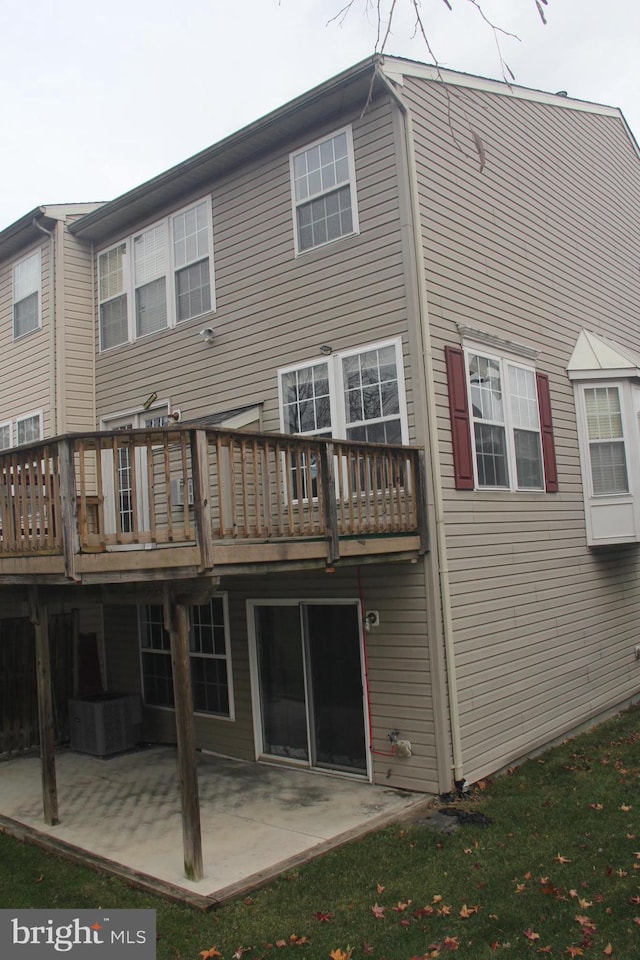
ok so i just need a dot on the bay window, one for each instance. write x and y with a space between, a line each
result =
606 382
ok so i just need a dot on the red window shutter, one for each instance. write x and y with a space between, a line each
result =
459 407
546 425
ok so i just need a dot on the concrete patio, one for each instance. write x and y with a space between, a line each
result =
122 814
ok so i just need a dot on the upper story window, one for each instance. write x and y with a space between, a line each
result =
324 191
357 394
607 446
506 426
501 424
29 428
157 278
27 285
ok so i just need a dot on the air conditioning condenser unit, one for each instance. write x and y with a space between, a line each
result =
106 724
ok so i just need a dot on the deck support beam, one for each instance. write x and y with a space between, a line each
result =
39 618
176 621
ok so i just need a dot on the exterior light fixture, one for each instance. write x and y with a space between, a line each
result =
326 350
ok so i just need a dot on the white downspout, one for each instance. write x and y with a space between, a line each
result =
52 328
434 452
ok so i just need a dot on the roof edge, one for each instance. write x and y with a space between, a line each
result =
396 68
86 225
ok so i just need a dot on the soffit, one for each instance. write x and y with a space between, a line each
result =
343 93
24 233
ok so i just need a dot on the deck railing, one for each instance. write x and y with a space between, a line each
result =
179 485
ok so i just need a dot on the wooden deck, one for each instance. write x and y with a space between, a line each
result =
181 501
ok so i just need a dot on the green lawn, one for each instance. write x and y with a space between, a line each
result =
556 873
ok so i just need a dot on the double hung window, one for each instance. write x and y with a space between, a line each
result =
501 424
607 448
114 324
324 195
357 395
208 653
29 428
506 423
5 435
157 278
27 295
150 262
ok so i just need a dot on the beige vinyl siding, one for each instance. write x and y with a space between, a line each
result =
25 386
274 310
398 663
76 336
397 656
540 244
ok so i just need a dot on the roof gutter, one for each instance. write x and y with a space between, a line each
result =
95 224
440 560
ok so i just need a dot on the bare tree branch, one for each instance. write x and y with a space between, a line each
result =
386 12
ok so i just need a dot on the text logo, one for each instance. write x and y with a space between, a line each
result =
79 934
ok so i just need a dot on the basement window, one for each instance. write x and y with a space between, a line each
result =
208 653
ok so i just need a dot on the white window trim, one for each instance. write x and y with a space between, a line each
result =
336 387
505 360
352 186
129 288
37 252
29 416
227 657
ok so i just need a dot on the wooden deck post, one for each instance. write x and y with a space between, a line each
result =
39 619
69 507
328 480
201 497
176 621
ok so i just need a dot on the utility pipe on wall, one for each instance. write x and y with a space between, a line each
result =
432 422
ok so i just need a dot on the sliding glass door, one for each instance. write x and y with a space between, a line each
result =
309 684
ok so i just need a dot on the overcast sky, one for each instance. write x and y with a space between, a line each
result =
97 98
